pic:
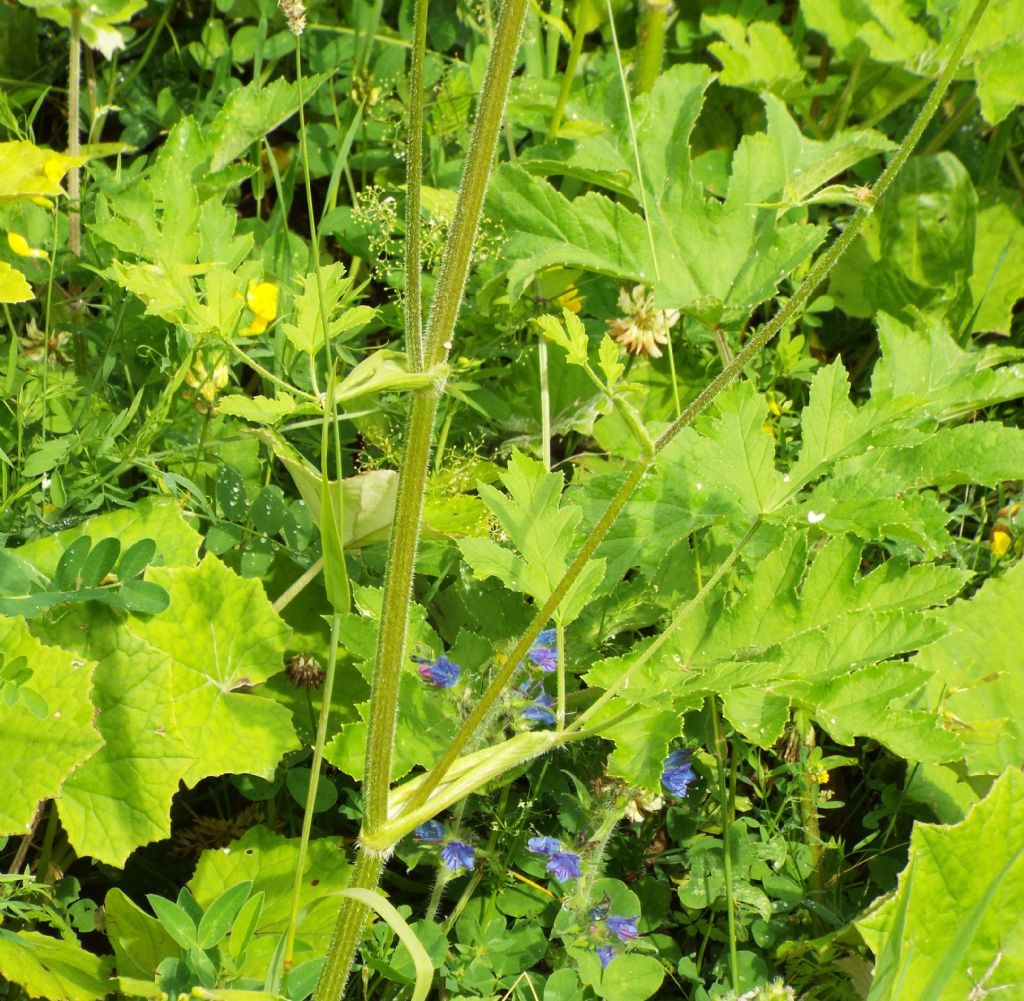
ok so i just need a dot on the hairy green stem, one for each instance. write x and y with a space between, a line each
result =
413 190
638 164
411 487
345 940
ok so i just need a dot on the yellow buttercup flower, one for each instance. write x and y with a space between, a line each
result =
20 246
1001 540
570 299
261 298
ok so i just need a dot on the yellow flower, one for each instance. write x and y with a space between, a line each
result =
1000 541
570 299
261 298
20 246
209 384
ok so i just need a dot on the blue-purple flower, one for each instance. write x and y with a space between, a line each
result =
624 929
457 855
678 773
544 652
544 846
441 673
563 866
539 711
606 953
430 831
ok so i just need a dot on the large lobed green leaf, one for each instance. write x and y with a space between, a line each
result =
976 671
168 697
716 259
48 967
955 926
42 752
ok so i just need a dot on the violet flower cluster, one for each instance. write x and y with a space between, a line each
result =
562 865
541 658
456 855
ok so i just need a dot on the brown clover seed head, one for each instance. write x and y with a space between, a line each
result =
304 671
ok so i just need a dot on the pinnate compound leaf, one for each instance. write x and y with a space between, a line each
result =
269 861
757 55
923 372
542 529
976 669
732 453
42 750
793 635
48 967
716 260
958 913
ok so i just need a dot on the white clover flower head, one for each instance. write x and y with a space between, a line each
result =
642 328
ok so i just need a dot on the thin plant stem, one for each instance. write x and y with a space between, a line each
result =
314 773
74 172
560 653
330 422
265 372
298 586
723 793
545 403
634 145
575 50
26 840
46 851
